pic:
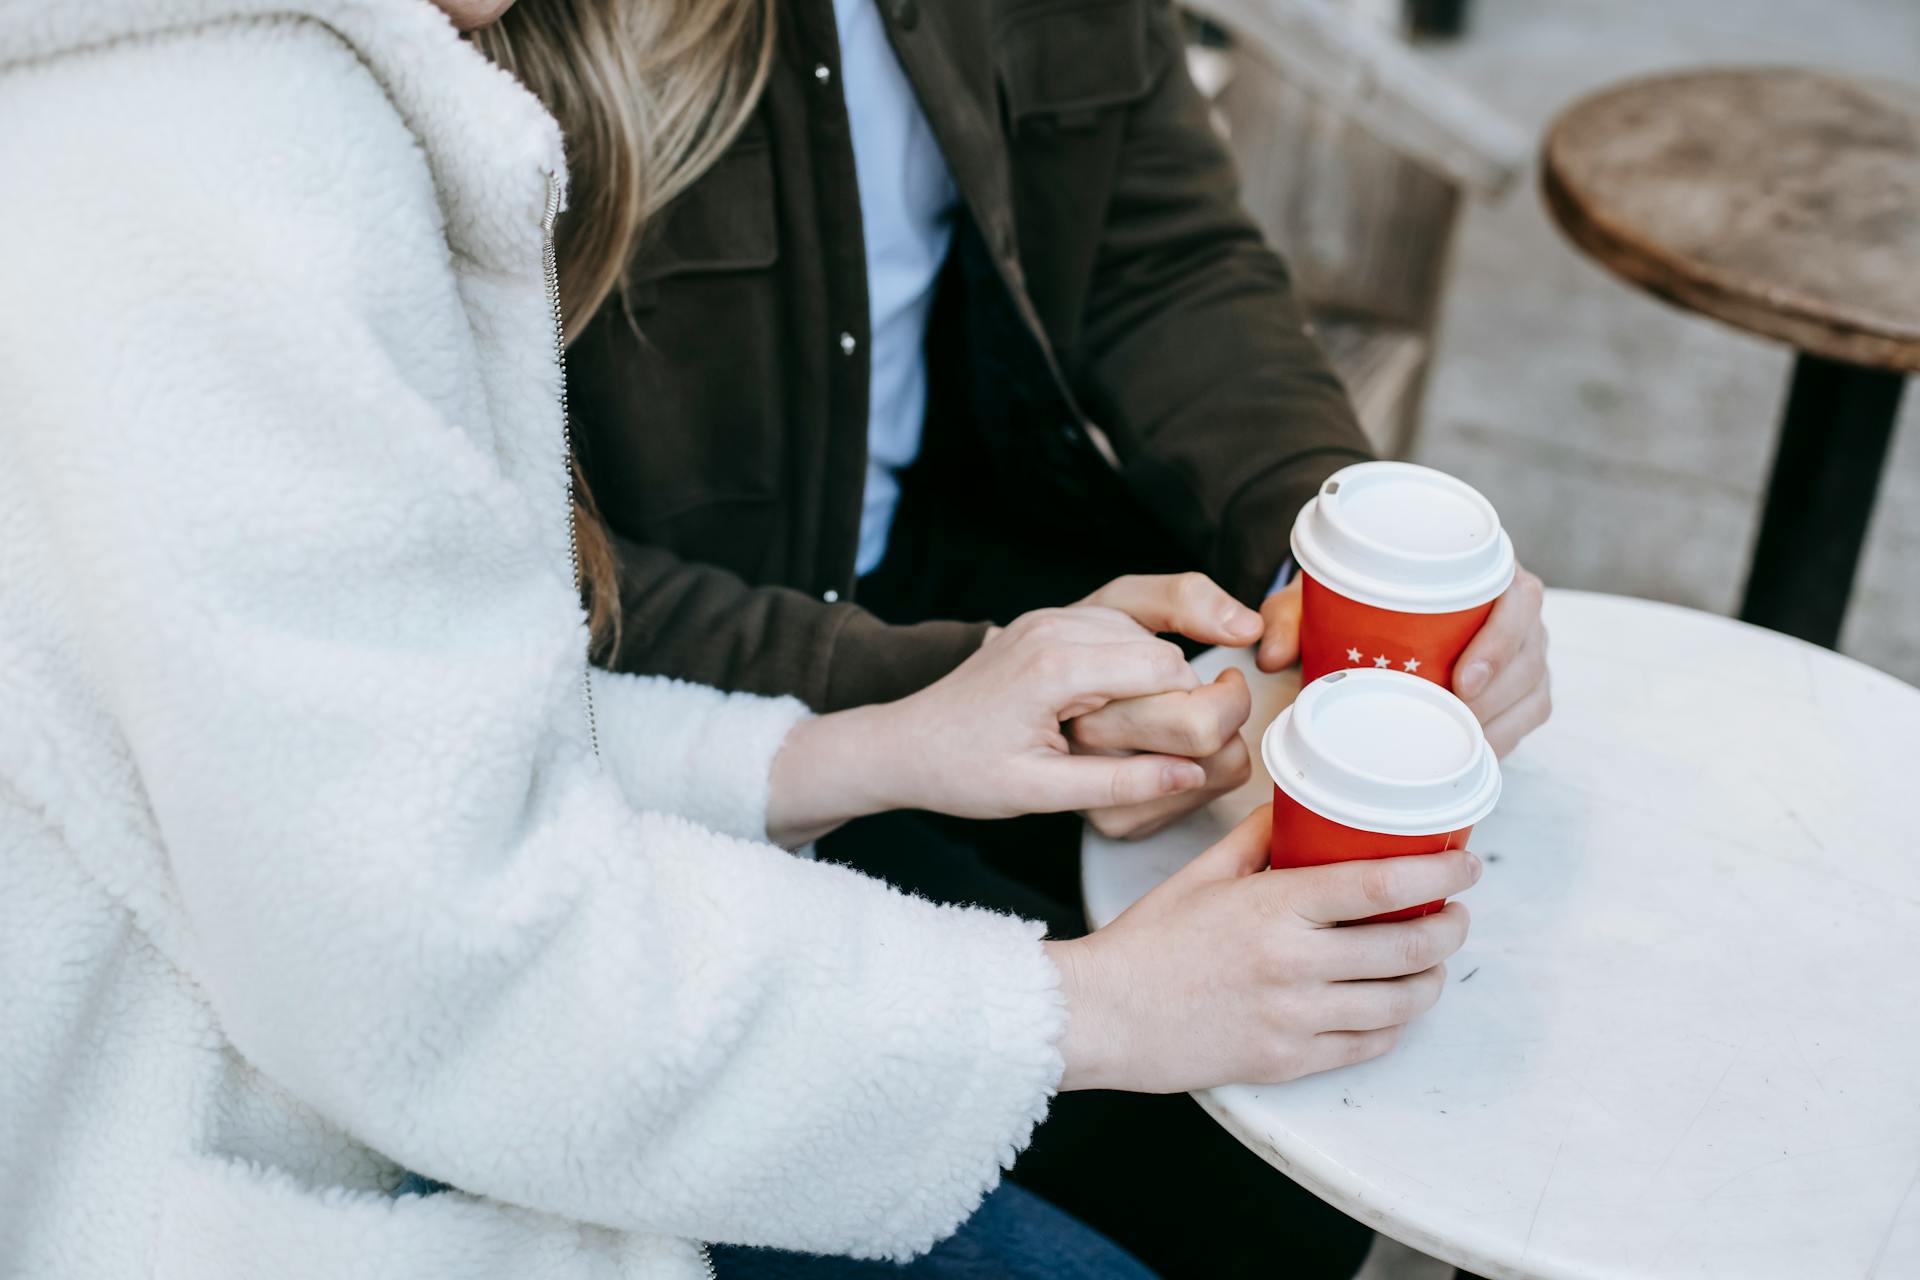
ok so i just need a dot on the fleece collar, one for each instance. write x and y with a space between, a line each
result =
492 146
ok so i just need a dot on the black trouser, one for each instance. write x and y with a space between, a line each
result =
1154 1173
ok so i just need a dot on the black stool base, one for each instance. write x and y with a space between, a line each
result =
1833 444
1438 19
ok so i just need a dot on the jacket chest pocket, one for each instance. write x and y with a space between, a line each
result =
1067 65
723 225
1071 75
680 392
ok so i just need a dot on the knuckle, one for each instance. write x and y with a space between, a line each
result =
1285 1014
1238 765
1052 663
1378 885
1283 1061
1272 900
1274 958
1090 731
1191 735
1411 952
1046 624
1358 1048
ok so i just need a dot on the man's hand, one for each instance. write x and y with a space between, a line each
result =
1502 675
1201 724
1280 634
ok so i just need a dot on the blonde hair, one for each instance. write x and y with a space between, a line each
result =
648 93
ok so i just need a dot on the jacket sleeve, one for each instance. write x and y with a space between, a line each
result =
1192 352
700 622
337 634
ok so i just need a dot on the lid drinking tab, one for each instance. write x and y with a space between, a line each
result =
1404 537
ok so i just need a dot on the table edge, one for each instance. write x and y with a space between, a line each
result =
1405 1228
1829 329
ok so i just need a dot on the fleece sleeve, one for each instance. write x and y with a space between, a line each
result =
691 749
332 618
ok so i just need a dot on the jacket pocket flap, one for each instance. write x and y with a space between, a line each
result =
724 222
1074 57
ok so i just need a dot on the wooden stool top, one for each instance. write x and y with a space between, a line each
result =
1781 201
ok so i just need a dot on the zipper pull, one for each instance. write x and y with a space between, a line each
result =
556 201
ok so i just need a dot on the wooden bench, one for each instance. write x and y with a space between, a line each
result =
1355 156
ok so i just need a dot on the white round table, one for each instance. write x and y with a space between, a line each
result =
1683 1038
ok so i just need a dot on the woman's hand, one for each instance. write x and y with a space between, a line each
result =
1221 975
985 741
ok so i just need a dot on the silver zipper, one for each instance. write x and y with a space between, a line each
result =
552 263
706 1256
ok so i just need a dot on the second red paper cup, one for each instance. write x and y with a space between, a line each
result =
1400 566
1376 764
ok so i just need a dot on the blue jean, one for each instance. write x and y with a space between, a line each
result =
1014 1235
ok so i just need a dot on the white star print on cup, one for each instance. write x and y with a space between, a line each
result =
1382 661
1353 656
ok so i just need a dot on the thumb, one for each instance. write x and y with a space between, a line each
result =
1241 852
1188 604
1280 641
1063 783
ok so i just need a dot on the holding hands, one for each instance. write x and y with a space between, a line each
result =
987 741
1086 708
1502 676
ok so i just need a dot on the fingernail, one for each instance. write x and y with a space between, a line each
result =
1475 865
1473 679
1239 619
1183 777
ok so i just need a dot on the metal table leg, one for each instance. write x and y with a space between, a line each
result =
1833 444
1445 19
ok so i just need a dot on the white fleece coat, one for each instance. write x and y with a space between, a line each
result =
307 871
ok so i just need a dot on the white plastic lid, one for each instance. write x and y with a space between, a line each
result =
1397 536
1383 751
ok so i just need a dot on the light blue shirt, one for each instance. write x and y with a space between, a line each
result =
907 203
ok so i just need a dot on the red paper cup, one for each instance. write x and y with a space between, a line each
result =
1400 566
1376 764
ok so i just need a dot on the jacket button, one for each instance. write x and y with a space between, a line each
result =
830 595
906 14
848 344
823 73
